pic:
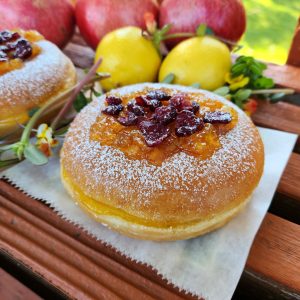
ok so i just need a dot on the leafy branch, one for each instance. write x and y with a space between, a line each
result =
245 79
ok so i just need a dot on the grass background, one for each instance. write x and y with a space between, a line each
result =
270 28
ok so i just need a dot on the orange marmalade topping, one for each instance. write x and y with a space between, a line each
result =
156 124
16 47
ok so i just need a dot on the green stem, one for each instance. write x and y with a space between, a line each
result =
178 35
273 91
27 131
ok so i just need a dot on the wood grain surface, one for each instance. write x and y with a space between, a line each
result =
34 234
11 289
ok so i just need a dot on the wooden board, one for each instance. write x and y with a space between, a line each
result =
34 234
11 289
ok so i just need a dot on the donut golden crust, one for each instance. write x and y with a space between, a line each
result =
183 198
42 77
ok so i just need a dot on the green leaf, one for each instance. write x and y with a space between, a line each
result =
169 78
237 69
222 91
97 94
8 162
196 85
263 83
276 97
254 68
242 95
32 111
80 102
201 30
34 155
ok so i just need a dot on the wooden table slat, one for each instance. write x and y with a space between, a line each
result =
46 245
275 252
12 289
281 116
276 238
290 181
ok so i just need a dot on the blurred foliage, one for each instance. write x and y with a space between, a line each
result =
270 28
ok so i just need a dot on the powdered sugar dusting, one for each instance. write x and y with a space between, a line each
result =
41 76
135 182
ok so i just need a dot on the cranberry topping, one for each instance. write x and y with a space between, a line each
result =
195 106
128 120
155 126
136 109
140 100
150 103
187 123
6 36
180 102
217 117
158 95
22 48
112 100
154 133
14 46
113 110
165 114
153 104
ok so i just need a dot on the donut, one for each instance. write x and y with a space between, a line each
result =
32 70
162 162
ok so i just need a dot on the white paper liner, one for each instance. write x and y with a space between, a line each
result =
209 266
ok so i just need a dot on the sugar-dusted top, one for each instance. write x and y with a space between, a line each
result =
39 79
138 186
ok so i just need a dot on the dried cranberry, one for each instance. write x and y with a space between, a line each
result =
6 36
112 100
141 101
113 110
23 49
150 103
3 56
154 133
180 102
158 95
153 104
136 109
217 117
128 120
187 123
195 107
165 114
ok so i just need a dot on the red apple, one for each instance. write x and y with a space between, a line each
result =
54 19
226 18
95 18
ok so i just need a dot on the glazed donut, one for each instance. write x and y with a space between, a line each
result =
169 175
29 79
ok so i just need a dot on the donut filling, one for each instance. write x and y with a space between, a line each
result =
156 124
16 47
100 209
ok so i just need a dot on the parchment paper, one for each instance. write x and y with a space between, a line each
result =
209 266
